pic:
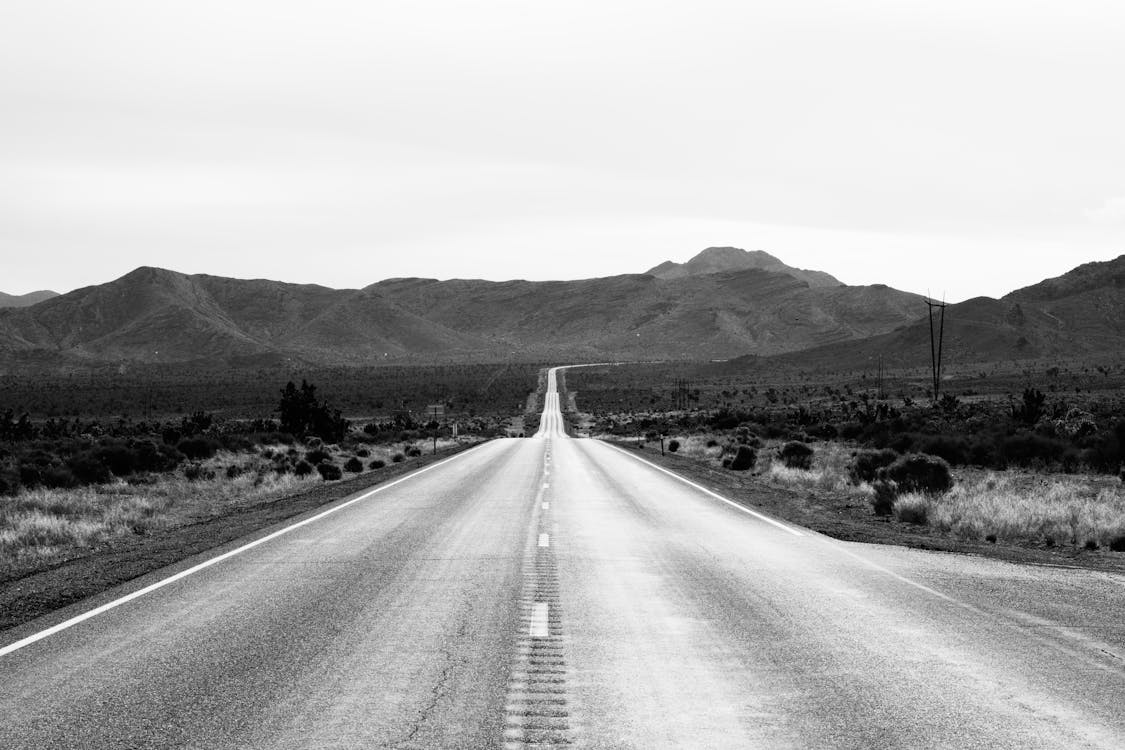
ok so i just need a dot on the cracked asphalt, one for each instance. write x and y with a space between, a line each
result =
675 620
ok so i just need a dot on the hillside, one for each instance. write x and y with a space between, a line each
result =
155 315
721 259
1079 313
26 300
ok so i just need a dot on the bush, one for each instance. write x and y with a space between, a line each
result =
796 455
377 463
918 472
234 471
673 446
398 458
363 453
413 451
303 468
117 457
883 501
195 472
317 455
1117 544
198 448
912 509
329 472
9 480
353 465
744 459
866 464
60 477
87 469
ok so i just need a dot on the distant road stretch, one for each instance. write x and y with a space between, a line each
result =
560 592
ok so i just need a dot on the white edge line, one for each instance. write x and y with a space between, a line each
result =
706 491
11 647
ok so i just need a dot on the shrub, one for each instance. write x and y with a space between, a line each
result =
866 464
117 457
234 471
87 469
198 447
712 443
883 501
398 458
673 446
151 456
1091 545
303 468
413 451
363 453
918 472
912 509
796 455
1117 544
317 455
60 477
353 465
744 459
329 472
378 463
9 479
195 472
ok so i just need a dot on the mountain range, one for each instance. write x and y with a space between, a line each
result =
26 300
723 303
1078 314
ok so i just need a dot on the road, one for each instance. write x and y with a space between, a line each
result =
561 592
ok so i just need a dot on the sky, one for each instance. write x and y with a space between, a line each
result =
956 148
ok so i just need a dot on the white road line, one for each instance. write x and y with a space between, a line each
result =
214 560
544 540
546 506
706 491
540 616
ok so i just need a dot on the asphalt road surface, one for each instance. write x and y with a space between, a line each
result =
560 592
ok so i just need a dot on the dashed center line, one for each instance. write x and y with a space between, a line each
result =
544 540
546 505
540 615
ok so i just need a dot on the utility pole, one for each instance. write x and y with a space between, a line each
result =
936 343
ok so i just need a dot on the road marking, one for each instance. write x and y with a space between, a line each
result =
706 491
544 540
540 615
546 485
546 505
214 560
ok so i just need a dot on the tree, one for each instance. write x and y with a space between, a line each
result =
302 414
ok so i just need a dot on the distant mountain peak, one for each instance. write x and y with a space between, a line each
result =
724 259
26 300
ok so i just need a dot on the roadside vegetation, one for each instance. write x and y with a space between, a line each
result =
1034 466
68 485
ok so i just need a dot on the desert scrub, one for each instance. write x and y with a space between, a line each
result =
43 523
1012 507
829 471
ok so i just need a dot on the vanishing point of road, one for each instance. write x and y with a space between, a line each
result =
557 592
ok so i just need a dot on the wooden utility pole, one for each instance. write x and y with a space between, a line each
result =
936 343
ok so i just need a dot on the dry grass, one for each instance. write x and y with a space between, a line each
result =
829 472
1015 507
44 523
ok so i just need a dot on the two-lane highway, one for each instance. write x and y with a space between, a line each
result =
559 592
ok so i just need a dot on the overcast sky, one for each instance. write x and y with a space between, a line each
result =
961 147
